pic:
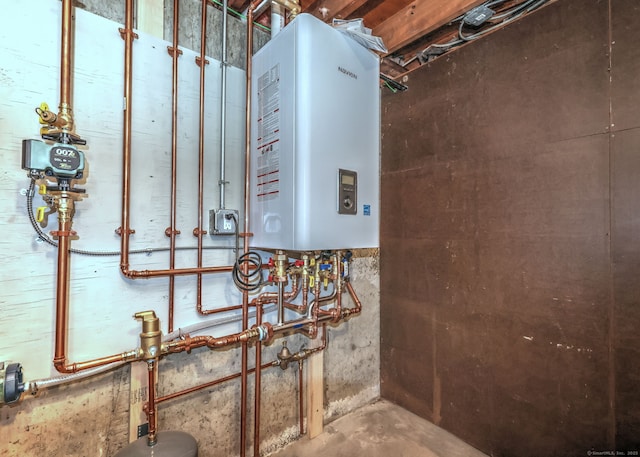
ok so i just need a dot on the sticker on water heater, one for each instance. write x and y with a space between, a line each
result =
268 142
366 210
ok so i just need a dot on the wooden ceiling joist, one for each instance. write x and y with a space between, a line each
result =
419 18
333 8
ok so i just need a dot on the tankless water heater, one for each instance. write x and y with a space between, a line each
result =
315 141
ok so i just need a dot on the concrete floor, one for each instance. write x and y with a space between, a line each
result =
381 429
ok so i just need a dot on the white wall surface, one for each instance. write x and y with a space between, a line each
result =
102 301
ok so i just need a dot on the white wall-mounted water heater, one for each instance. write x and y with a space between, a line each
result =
315 141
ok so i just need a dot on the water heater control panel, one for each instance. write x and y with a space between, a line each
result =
347 192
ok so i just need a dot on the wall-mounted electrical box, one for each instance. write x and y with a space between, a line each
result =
315 140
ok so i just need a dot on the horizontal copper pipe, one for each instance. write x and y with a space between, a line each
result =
135 274
211 383
188 343
64 367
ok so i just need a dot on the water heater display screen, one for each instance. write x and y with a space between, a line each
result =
348 180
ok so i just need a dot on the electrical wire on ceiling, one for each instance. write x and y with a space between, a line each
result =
477 22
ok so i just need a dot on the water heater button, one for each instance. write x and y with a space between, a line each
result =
347 192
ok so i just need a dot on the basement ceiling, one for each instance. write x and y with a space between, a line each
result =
416 31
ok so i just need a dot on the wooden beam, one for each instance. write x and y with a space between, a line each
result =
315 392
335 8
238 5
419 18
139 388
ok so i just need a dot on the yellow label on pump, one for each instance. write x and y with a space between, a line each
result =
42 189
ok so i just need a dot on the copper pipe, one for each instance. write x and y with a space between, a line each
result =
354 297
272 297
258 388
338 285
211 383
198 232
220 310
188 343
280 302
65 54
125 230
336 311
62 295
175 53
135 274
254 302
247 206
152 404
63 121
223 104
300 397
65 208
64 367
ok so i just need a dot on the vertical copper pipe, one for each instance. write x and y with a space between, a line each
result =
66 59
64 221
300 397
258 389
223 104
152 406
203 52
174 161
280 303
127 35
62 294
358 304
247 189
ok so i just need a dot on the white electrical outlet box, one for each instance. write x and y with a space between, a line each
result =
315 141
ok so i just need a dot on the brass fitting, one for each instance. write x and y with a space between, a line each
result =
65 206
58 123
151 336
281 262
284 356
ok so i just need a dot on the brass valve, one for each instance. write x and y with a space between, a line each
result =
281 262
58 125
284 356
151 336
